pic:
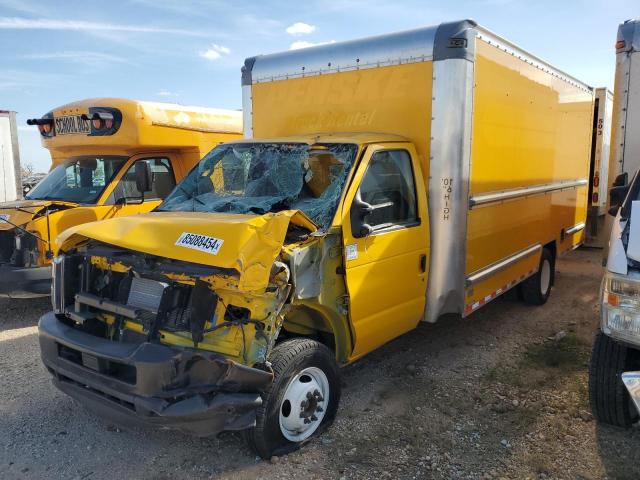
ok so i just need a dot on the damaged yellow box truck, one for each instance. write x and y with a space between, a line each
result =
383 182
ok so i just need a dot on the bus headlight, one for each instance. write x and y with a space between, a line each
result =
620 312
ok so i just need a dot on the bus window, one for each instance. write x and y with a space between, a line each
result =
163 181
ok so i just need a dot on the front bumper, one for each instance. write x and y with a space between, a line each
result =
631 381
18 282
201 393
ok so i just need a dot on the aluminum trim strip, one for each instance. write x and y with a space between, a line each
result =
409 46
247 111
510 47
500 265
502 195
448 194
575 229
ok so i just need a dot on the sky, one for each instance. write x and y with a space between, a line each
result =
190 51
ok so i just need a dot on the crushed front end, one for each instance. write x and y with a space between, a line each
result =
142 338
24 259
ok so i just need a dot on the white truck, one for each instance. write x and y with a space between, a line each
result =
614 374
10 181
602 171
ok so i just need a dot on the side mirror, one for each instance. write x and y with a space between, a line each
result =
143 177
621 180
358 214
617 195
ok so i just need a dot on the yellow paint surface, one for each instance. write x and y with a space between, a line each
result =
529 128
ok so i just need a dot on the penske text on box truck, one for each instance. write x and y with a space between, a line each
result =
382 182
100 150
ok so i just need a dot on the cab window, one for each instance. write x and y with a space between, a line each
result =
388 186
163 181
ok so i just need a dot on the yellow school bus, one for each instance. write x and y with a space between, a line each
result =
381 182
102 150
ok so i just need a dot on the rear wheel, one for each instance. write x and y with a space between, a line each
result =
536 289
610 401
301 401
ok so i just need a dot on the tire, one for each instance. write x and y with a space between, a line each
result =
610 401
301 367
536 289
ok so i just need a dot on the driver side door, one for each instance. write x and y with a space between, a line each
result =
385 250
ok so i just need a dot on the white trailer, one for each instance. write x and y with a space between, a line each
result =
597 233
10 173
625 156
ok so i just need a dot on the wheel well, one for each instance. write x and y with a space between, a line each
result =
306 322
551 247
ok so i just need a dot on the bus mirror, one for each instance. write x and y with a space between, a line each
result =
143 177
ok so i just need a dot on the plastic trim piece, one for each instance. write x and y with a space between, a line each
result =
455 40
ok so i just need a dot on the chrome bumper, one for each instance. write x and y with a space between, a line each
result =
631 381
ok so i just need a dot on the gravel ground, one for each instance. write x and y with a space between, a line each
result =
502 394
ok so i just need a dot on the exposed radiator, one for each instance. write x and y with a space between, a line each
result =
146 294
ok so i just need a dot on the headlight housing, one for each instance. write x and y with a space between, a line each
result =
57 284
620 312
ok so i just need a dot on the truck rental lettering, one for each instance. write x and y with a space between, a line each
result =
200 242
71 125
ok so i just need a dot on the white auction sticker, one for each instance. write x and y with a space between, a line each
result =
200 242
4 217
351 251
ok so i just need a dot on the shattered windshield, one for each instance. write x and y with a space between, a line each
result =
267 177
79 179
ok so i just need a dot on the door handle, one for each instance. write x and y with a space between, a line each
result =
423 263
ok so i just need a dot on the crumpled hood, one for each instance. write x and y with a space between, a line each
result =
248 244
20 212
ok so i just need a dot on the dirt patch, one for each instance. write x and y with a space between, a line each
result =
501 394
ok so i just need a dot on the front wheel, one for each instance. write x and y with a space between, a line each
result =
610 401
536 289
301 401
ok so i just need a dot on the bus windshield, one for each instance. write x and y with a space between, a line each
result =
267 177
78 179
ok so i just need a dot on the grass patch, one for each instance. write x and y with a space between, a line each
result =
569 353
542 364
